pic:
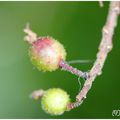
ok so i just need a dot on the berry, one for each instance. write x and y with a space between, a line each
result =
46 53
55 101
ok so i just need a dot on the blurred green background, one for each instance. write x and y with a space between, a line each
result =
78 26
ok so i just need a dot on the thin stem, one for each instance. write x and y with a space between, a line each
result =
79 83
104 48
79 61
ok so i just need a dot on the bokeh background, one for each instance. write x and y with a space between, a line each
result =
78 26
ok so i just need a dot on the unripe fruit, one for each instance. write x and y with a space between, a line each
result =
46 53
55 101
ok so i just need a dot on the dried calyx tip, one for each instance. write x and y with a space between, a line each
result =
31 36
37 94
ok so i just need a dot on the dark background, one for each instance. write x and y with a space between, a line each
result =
78 26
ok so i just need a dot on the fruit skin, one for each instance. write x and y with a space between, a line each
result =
55 101
46 53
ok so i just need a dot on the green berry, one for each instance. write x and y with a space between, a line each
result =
46 53
55 101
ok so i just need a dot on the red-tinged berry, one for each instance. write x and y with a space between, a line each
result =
45 52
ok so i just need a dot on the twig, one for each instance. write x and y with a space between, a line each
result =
104 48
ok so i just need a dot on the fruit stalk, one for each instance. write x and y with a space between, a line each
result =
65 66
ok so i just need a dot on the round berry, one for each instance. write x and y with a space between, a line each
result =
46 53
55 101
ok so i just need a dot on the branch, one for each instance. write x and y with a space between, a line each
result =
104 48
